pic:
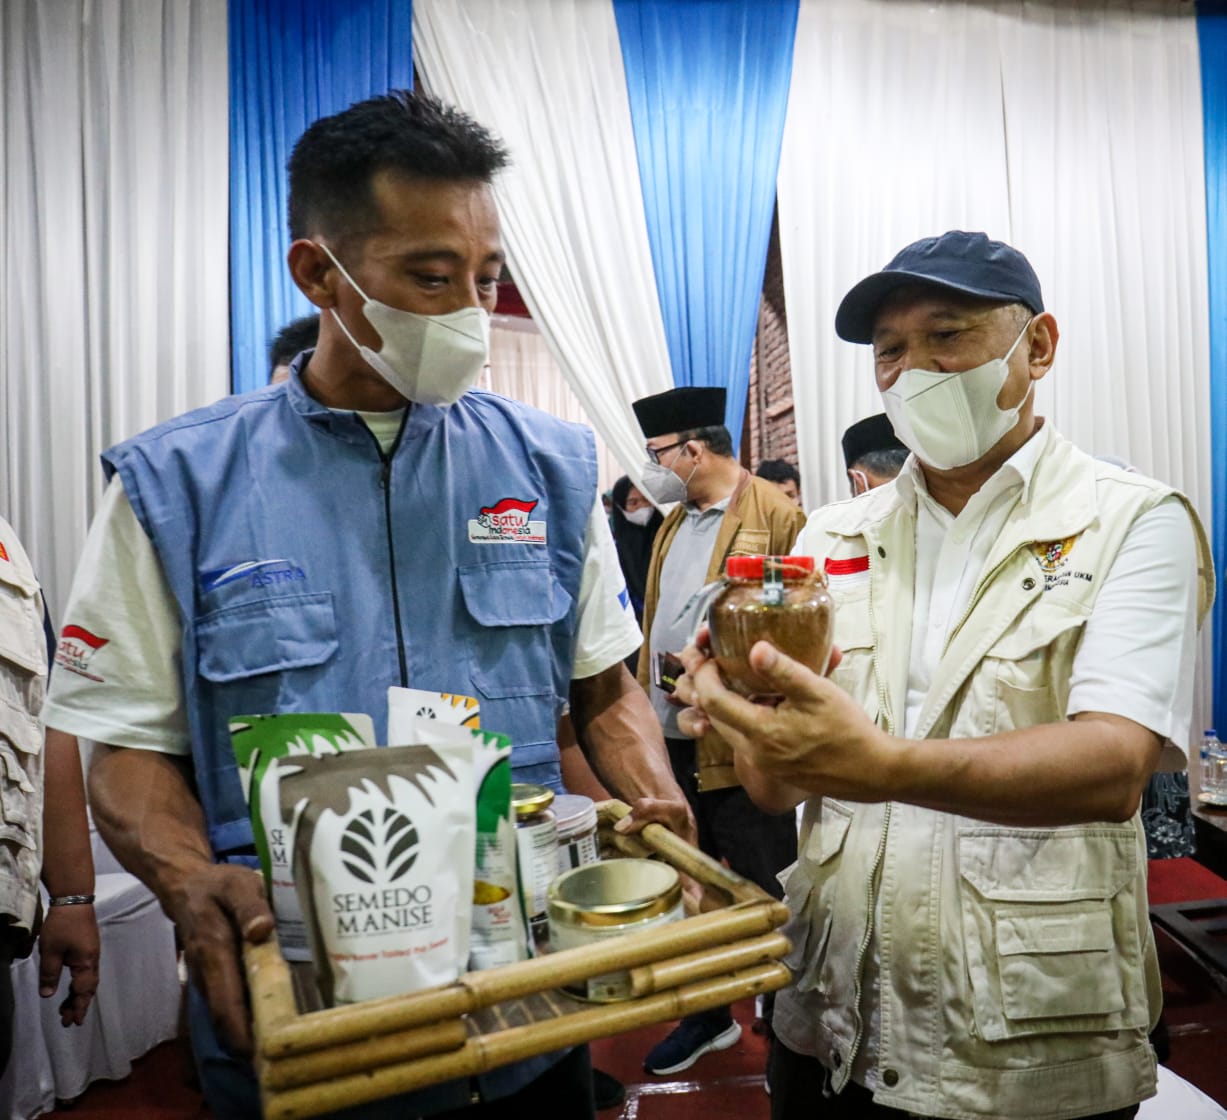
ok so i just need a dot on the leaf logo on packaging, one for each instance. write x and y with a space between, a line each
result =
379 846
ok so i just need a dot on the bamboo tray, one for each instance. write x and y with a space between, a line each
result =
315 1061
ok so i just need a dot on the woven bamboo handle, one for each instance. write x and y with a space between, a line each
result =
476 990
364 1055
483 1053
678 971
676 851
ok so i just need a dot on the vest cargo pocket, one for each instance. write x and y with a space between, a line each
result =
515 603
1050 929
21 800
809 894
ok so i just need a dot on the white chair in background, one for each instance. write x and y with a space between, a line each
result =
135 1009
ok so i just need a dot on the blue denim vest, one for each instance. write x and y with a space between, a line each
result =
311 572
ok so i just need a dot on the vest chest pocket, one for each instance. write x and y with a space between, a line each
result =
854 636
1050 930
1028 670
513 604
266 636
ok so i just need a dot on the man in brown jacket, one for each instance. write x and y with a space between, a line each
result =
721 511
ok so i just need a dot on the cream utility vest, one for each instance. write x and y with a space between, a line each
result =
23 682
1017 968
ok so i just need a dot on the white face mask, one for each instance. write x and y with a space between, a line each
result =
952 419
430 359
639 517
662 485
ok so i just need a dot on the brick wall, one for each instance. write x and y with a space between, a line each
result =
770 431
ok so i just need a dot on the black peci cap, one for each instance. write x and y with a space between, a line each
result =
963 262
680 410
874 433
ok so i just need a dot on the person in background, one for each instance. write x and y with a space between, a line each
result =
784 475
44 831
873 454
634 522
721 510
295 337
1015 626
404 528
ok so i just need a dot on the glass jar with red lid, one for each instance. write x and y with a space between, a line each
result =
778 599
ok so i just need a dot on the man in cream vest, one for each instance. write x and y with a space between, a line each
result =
1015 627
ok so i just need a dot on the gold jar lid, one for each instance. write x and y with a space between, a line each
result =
529 799
615 892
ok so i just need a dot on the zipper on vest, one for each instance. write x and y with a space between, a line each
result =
385 484
976 596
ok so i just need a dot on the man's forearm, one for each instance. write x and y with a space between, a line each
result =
1092 768
68 863
616 724
149 817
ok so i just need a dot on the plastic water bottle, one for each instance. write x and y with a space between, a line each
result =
1213 769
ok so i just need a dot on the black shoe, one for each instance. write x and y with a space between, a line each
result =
607 1090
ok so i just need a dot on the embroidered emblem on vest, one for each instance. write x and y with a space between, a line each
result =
1053 554
4 552
258 573
77 648
506 522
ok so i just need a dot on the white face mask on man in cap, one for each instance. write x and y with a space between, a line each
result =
952 419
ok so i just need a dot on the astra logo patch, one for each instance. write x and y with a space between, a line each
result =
77 649
256 573
507 522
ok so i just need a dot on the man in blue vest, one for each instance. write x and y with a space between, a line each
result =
373 521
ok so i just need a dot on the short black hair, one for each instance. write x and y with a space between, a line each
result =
335 161
295 337
778 470
717 438
886 463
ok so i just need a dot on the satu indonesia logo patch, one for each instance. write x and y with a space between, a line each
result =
77 650
507 522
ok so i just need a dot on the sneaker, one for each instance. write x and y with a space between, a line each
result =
688 1042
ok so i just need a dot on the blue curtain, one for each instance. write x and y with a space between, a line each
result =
1212 35
708 86
291 62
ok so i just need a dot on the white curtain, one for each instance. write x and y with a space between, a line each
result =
113 243
1072 130
547 76
523 367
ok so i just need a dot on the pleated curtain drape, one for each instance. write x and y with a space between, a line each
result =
547 76
1212 37
113 246
708 87
291 62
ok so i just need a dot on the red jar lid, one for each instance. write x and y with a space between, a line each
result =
751 567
